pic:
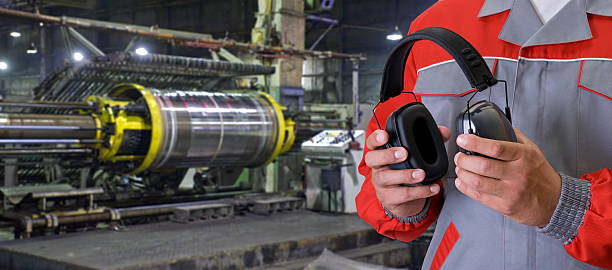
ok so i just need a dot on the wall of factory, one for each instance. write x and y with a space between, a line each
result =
348 39
220 18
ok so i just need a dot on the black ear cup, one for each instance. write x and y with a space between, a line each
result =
413 127
487 121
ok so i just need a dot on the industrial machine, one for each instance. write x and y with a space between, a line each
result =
147 124
124 129
133 129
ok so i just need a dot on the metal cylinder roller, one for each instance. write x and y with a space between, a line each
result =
216 129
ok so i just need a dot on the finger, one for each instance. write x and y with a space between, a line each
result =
481 165
383 157
377 139
446 133
482 198
522 138
480 183
399 195
388 178
496 203
502 150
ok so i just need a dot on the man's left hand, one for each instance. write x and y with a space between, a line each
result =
520 184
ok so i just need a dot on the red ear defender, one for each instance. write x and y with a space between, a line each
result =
412 126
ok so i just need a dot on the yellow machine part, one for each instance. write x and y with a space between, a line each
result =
156 121
122 121
286 129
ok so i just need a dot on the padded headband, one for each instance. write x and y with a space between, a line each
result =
471 62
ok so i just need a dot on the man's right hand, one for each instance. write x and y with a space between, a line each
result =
401 200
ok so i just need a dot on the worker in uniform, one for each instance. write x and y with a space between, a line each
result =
544 202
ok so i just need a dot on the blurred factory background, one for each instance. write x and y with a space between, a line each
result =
184 134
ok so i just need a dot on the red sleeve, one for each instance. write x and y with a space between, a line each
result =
368 206
593 244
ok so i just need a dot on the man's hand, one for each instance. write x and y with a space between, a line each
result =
521 184
402 201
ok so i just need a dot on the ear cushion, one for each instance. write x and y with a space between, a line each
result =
413 127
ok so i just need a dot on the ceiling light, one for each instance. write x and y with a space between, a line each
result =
32 49
77 56
395 35
3 65
141 51
15 34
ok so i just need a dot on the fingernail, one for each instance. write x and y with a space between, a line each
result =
456 157
434 188
456 170
457 182
418 174
461 140
380 138
399 154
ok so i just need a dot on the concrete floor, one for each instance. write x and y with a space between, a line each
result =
240 242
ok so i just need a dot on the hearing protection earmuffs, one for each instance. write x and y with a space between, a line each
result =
412 126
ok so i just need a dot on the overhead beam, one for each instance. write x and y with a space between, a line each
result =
178 37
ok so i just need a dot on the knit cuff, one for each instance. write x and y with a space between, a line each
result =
411 219
569 215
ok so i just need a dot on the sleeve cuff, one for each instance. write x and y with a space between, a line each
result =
411 219
569 215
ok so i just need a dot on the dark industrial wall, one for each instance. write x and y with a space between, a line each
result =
221 18
349 38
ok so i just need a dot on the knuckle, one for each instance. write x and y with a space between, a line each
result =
459 172
382 197
476 195
476 182
368 159
484 166
413 193
497 149
459 160
382 177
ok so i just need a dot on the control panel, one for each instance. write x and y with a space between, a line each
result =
331 141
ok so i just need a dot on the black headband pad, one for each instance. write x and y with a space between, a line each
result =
469 60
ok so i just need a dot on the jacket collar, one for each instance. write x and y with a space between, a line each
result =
524 28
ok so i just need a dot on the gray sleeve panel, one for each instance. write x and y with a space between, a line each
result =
411 219
569 215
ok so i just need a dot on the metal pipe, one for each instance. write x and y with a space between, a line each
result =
43 151
128 212
329 28
321 19
48 141
80 38
187 39
47 104
17 127
46 128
